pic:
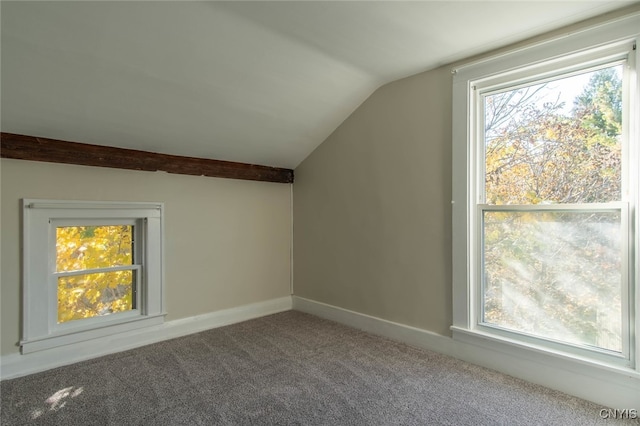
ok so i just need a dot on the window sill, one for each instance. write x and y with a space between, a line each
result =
68 338
545 356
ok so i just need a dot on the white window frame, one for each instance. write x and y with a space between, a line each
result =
40 330
594 45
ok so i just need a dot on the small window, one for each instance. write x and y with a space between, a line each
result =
98 266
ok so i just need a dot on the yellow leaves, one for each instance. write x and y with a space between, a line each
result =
92 295
561 164
537 153
550 133
86 248
532 197
92 247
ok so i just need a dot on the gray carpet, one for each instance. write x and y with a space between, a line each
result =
285 369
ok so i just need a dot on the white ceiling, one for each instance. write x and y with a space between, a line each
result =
256 82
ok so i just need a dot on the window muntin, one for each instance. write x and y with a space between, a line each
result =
551 165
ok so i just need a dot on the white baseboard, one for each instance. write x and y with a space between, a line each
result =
17 365
394 331
610 387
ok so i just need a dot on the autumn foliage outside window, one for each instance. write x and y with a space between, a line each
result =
95 271
551 229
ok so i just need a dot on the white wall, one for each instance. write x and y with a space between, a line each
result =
227 242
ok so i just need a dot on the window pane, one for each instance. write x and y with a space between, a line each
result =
90 295
92 247
555 142
555 275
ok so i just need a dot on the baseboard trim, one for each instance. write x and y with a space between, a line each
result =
410 335
617 390
17 365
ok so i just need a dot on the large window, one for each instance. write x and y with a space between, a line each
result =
550 214
90 269
546 193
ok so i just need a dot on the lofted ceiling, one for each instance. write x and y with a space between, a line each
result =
256 82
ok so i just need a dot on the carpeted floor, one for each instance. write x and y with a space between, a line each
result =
285 369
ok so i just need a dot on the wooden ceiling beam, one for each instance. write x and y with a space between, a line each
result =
33 148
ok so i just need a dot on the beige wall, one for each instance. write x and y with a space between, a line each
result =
227 241
372 208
